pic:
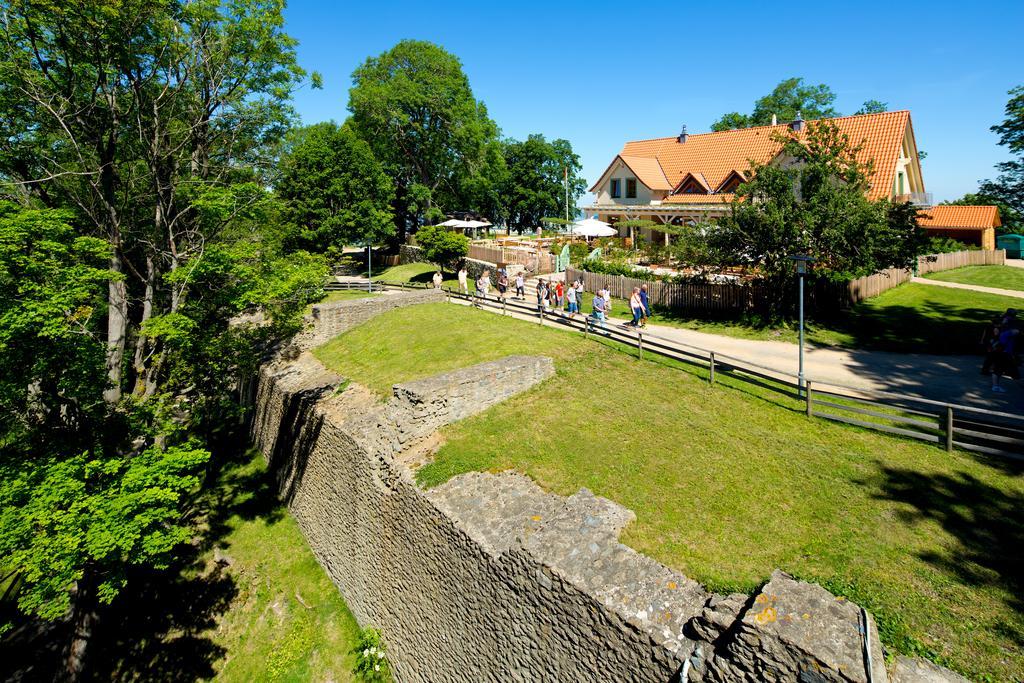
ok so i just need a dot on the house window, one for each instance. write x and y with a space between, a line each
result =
616 191
630 188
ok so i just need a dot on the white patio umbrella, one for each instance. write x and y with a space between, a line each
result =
453 223
591 227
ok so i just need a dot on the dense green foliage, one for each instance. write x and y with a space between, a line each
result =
872 107
534 186
139 224
334 191
414 106
442 246
789 97
1007 190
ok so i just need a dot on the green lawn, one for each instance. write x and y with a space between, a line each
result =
911 318
288 622
1001 277
730 482
254 605
342 295
406 272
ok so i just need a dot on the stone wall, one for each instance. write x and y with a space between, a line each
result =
329 320
489 578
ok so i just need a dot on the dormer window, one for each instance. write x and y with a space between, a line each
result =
731 182
616 188
630 188
693 184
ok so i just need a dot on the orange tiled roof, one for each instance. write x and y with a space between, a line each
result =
648 170
716 155
947 216
720 198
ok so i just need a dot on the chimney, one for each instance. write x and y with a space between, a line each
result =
798 123
775 120
682 134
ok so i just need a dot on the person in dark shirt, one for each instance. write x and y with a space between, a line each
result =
1005 361
646 305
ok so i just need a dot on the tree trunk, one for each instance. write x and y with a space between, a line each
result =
83 621
142 343
117 326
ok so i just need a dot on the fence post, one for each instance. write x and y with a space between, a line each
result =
949 428
639 344
504 307
807 390
586 326
540 319
711 368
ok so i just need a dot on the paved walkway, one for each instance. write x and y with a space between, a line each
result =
976 288
942 378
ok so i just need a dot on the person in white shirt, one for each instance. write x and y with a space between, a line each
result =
520 286
636 306
438 280
571 307
463 280
606 294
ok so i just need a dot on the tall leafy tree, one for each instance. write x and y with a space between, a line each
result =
415 107
789 97
535 185
817 206
333 190
151 126
872 107
136 113
1007 189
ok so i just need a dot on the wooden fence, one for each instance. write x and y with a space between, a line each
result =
972 428
540 261
744 298
959 259
872 285
696 297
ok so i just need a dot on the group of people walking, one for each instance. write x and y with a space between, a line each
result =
556 295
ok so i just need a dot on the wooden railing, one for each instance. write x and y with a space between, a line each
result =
699 297
947 425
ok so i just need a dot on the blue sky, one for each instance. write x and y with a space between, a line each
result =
601 73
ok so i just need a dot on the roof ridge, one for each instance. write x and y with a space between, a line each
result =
777 125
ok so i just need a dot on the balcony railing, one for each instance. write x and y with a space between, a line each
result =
916 198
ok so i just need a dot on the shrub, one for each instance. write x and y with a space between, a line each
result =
371 658
442 246
946 245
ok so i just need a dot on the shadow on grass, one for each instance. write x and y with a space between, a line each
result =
929 327
156 630
984 520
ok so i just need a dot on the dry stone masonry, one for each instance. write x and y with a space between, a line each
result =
488 577
327 321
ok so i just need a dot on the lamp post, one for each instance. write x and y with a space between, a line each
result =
369 268
801 261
